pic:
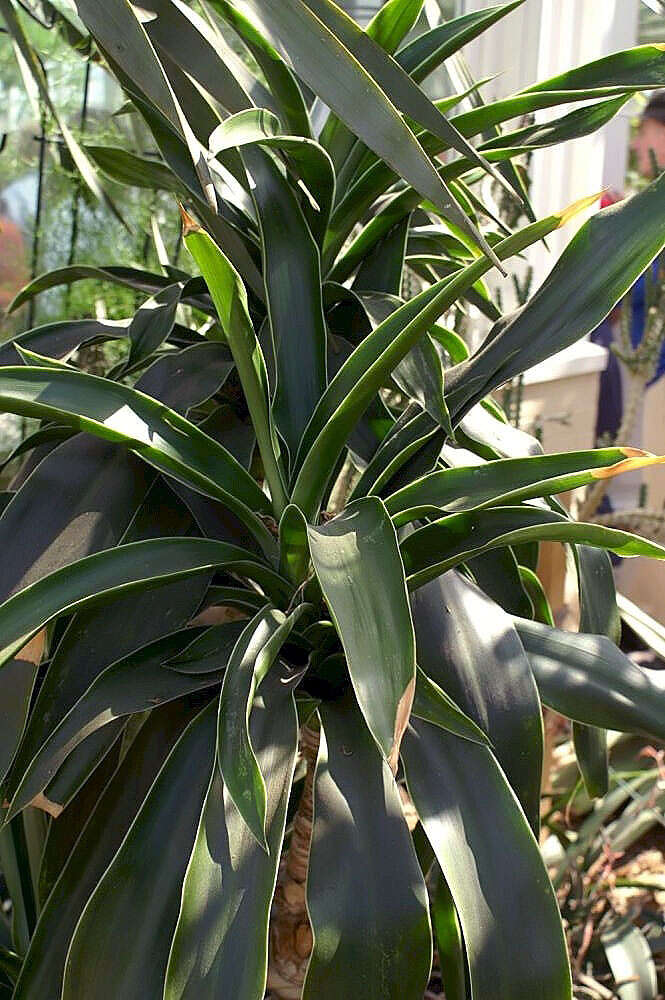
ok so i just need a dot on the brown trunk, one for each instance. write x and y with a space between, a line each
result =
290 931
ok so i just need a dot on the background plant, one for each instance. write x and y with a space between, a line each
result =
290 514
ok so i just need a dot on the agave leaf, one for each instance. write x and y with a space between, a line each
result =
357 562
209 939
486 850
370 921
128 923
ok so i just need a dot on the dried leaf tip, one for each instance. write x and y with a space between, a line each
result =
189 223
578 206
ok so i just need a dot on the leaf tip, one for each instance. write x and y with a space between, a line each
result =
578 206
189 223
402 716
635 459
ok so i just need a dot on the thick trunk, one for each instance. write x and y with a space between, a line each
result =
290 931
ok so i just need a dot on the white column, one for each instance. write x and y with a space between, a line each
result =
539 40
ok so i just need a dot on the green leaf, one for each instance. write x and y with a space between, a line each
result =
252 657
129 277
225 905
260 126
334 73
370 922
131 913
506 481
153 322
292 274
97 637
433 705
630 960
409 435
41 977
230 298
209 652
387 28
487 851
426 52
128 567
588 679
135 61
134 683
282 82
158 434
432 550
61 339
450 944
132 170
599 615
357 562
574 298
482 667
640 68
361 376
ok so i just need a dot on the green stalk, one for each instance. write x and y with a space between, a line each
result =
230 298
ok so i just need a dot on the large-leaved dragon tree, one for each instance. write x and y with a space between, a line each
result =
274 651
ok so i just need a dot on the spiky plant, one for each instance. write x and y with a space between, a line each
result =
288 519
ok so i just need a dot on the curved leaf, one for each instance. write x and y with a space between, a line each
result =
487 852
41 977
132 913
432 550
251 659
574 298
135 683
468 646
511 481
588 679
357 562
369 917
233 920
95 578
158 434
